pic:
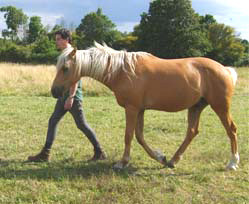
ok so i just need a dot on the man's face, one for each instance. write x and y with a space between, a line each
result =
60 42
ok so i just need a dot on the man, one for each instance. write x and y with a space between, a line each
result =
72 102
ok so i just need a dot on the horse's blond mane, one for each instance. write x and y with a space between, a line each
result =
100 59
62 57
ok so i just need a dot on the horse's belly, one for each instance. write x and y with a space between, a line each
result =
173 92
169 102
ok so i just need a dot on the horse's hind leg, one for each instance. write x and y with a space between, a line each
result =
231 130
140 138
193 123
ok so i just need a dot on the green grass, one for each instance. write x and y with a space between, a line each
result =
198 178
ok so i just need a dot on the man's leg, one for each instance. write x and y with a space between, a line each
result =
58 113
78 115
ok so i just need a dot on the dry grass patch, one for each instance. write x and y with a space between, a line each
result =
25 79
36 80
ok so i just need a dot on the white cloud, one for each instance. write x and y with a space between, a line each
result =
236 5
244 33
126 26
47 18
2 22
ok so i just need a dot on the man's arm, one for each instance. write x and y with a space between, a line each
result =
70 99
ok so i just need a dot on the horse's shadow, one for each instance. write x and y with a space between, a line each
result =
73 170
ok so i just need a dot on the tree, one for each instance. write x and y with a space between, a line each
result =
5 33
244 61
171 29
35 28
207 20
226 47
95 27
245 43
44 51
14 19
44 45
126 42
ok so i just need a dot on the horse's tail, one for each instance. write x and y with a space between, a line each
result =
233 73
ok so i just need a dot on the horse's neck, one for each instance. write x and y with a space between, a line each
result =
103 79
97 68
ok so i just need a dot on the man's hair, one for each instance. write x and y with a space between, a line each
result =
65 34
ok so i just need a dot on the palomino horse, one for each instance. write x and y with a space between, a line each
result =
141 81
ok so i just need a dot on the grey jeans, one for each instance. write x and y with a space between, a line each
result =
78 115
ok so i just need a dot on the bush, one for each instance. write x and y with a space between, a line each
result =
244 61
14 53
44 58
43 51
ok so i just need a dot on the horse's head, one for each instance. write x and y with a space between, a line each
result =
65 75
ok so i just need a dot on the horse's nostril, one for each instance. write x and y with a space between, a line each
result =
57 92
53 91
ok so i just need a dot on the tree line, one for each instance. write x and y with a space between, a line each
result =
170 29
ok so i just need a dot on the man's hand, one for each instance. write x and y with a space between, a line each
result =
69 103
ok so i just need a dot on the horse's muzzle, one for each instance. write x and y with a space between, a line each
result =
57 92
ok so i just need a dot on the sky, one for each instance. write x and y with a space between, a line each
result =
126 13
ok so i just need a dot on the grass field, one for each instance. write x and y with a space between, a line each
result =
198 178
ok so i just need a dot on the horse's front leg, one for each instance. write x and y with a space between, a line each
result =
131 120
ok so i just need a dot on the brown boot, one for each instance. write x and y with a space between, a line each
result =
43 156
98 156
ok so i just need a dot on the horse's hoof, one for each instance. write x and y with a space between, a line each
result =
160 157
233 164
164 161
120 165
231 167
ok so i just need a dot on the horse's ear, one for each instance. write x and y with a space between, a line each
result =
72 54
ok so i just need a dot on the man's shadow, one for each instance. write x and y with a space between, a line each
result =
58 170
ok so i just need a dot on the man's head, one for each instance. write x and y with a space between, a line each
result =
62 38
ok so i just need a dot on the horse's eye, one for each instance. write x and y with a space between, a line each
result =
65 70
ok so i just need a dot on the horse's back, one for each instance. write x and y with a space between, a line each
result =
170 85
177 84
